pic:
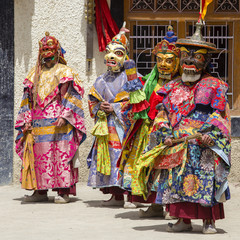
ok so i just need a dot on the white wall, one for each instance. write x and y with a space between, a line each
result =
64 19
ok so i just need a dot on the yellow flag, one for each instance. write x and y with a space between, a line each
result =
205 4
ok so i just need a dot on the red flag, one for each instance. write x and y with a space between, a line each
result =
105 24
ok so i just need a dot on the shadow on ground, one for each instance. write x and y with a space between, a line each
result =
50 200
134 215
197 229
97 203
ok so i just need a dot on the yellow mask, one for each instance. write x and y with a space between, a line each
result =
115 56
167 59
167 65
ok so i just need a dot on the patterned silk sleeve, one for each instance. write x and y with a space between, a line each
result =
72 109
24 114
93 105
117 108
218 127
128 115
160 131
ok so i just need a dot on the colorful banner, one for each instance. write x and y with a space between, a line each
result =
204 6
105 24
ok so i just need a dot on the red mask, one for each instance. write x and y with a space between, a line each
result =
48 46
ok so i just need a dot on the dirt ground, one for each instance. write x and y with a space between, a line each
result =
84 219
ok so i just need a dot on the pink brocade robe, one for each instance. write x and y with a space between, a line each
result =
59 95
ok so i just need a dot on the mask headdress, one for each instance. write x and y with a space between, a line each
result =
170 35
195 44
49 47
197 40
164 47
117 51
121 38
167 59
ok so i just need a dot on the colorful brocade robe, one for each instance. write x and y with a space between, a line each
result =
59 95
140 120
189 171
108 87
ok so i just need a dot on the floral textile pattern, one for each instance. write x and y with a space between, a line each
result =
205 170
190 185
208 90
180 95
207 160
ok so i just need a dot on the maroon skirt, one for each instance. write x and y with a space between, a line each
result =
140 199
190 210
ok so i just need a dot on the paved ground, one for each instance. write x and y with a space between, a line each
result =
84 219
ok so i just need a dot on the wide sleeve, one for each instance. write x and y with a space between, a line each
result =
134 86
218 127
160 131
119 104
25 112
72 107
24 115
94 101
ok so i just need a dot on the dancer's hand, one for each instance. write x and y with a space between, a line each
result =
60 122
207 140
27 126
106 107
168 142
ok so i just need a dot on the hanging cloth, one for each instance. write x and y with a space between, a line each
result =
105 24
100 131
28 170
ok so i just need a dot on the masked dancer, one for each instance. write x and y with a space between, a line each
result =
191 142
143 102
106 100
50 125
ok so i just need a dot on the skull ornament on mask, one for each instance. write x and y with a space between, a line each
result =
48 46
